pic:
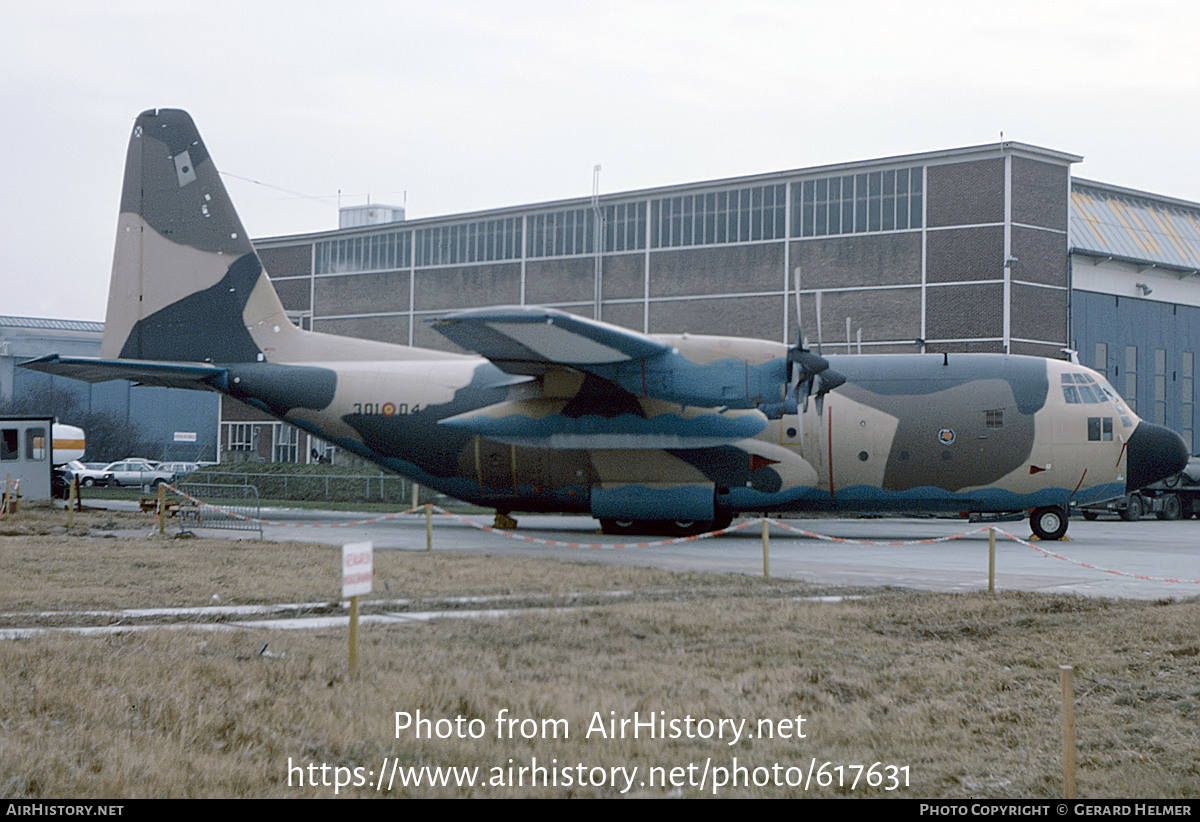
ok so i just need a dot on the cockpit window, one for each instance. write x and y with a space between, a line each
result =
1081 388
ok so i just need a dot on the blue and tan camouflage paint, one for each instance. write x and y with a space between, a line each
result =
563 413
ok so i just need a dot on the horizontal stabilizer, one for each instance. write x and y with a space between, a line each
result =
165 374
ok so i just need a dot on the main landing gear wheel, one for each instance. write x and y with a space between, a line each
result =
1049 522
664 528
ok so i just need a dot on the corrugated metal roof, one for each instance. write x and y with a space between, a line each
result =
52 325
1133 226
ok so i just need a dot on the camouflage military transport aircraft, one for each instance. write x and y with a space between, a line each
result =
648 433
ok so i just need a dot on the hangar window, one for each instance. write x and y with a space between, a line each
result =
733 216
1131 376
465 243
858 203
625 226
1160 386
562 233
373 252
1187 395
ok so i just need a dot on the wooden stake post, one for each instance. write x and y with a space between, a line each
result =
991 560
72 498
357 570
766 540
1068 730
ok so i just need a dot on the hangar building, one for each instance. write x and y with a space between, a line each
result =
170 423
986 248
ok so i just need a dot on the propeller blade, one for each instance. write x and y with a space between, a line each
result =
799 323
807 373
819 322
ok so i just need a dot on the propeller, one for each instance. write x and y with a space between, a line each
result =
808 373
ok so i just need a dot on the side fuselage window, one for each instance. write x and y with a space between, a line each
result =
1100 429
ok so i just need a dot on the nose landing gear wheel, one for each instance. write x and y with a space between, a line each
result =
1049 522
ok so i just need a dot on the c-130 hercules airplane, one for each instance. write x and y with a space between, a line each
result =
648 433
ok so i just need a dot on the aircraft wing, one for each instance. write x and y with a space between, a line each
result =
166 374
537 341
531 340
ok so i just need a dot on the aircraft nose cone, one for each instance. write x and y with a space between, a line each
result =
1155 453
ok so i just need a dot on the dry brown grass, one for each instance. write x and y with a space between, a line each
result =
961 688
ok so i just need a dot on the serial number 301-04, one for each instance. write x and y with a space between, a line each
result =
387 409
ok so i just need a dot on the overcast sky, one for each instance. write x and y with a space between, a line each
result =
456 106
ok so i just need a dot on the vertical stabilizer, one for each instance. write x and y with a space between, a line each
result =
187 284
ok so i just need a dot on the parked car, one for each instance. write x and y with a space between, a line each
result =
135 471
178 469
87 475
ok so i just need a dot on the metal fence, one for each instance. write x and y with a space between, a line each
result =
229 507
379 487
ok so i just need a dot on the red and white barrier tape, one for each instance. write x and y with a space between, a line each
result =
815 535
678 540
1091 567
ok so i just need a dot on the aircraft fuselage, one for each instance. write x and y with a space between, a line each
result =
955 432
562 413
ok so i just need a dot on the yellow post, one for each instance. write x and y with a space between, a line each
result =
416 495
353 632
766 539
72 495
428 527
12 496
991 560
1068 730
161 507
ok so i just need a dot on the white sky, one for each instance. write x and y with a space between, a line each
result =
469 104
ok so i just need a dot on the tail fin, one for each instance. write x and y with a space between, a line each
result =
187 284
